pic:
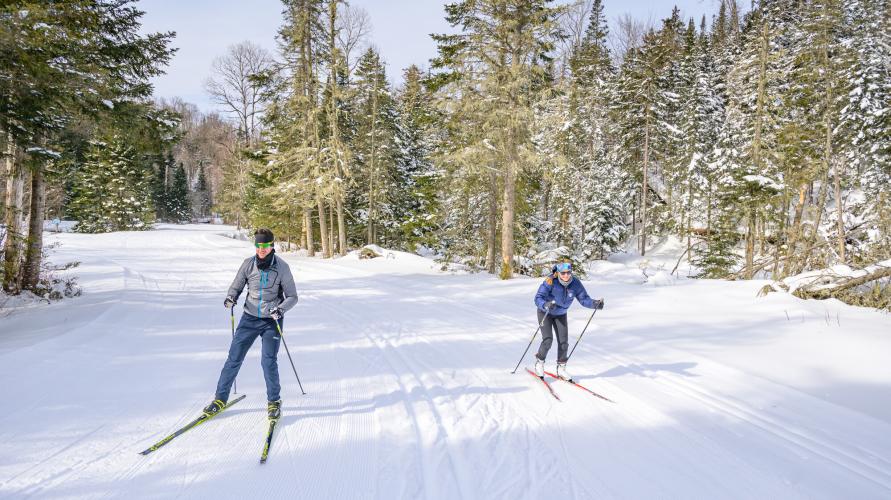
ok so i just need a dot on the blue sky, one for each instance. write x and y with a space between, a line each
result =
401 28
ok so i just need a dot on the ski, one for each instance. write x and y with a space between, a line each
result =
545 382
191 425
580 386
272 423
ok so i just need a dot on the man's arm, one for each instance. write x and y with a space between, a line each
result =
289 289
240 280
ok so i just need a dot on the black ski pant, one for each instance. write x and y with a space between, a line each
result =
550 325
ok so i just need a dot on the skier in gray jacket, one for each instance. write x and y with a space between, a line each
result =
271 292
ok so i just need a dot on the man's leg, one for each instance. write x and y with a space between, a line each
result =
269 361
247 332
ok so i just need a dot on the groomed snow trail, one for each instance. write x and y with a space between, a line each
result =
409 391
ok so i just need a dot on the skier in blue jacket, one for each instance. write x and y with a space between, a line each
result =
553 299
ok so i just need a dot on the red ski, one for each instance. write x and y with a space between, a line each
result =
580 386
545 382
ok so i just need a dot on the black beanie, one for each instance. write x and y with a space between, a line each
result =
263 236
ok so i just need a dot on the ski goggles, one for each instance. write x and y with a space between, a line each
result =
564 268
263 245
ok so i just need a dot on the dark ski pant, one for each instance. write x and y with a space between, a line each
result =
249 328
551 324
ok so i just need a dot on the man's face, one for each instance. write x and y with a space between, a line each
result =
263 249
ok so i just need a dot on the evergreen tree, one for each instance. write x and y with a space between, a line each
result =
179 206
501 52
375 151
160 184
202 195
417 207
112 191
866 125
61 61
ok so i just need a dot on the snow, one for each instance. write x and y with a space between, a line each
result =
719 393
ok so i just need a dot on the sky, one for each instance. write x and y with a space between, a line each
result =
400 30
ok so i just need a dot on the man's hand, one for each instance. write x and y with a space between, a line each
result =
276 313
598 304
229 302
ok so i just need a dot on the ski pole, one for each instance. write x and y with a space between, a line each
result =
531 340
580 335
282 335
232 314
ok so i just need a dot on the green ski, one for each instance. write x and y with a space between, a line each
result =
191 425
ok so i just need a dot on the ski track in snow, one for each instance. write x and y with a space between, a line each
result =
409 394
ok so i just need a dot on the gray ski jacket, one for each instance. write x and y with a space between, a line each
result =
267 289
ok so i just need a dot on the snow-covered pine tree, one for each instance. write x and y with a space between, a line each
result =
638 111
701 118
604 190
179 206
375 151
865 130
160 187
501 52
748 154
112 191
202 199
416 208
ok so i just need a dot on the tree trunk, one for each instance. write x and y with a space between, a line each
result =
643 191
794 231
750 243
756 150
323 227
34 251
12 250
492 230
372 201
307 227
335 137
805 256
508 208
331 228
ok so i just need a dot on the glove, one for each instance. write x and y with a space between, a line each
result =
229 302
598 304
276 313
549 305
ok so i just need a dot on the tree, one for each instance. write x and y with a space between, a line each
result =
416 205
202 195
62 59
503 43
237 86
179 206
112 191
375 148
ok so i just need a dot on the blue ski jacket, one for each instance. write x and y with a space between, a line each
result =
551 289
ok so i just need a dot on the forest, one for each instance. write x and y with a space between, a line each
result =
760 137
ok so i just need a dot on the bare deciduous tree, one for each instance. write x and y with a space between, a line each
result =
234 85
353 31
573 21
628 34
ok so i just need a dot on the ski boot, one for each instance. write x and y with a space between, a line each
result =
562 373
214 407
539 368
274 409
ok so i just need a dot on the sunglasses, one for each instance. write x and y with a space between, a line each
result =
263 245
565 272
